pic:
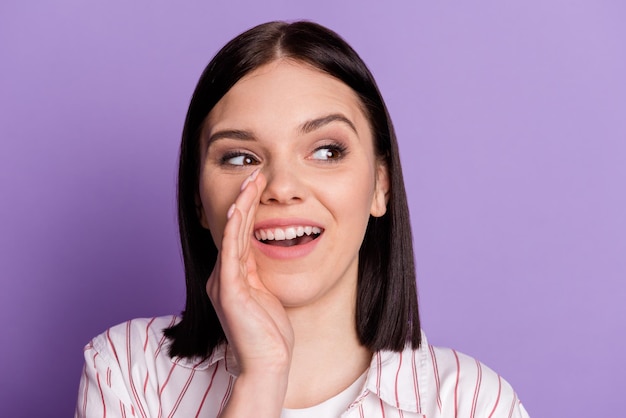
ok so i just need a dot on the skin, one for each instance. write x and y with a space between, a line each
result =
288 141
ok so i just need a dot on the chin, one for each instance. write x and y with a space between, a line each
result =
306 290
293 290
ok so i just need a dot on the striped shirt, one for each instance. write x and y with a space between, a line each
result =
128 373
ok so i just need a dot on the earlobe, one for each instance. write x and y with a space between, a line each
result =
381 191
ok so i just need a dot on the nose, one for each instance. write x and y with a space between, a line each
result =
283 185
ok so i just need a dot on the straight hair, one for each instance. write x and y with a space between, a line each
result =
387 316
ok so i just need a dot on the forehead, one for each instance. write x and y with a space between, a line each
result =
284 93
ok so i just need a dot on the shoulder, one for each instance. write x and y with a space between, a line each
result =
133 337
464 385
458 374
128 371
442 382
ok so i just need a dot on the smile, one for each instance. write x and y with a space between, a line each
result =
288 236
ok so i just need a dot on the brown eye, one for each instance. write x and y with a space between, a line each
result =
327 153
240 159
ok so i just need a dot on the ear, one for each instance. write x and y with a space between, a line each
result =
381 191
200 213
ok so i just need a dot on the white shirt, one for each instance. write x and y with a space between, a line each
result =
128 373
332 407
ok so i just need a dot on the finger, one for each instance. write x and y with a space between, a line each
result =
236 236
230 256
248 233
245 201
254 280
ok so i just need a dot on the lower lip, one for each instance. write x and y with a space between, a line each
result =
286 253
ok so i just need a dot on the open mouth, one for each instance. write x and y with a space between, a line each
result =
289 236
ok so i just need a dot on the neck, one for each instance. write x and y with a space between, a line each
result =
327 355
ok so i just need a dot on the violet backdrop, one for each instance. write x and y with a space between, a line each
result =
511 118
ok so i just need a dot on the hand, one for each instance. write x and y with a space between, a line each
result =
254 321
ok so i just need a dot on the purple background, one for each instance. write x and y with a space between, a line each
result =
511 118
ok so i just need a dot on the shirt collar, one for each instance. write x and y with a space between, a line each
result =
201 363
399 378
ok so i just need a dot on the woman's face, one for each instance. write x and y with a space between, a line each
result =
309 136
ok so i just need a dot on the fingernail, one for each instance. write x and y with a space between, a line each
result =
230 212
250 178
245 183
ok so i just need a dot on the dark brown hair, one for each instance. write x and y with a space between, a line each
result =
386 308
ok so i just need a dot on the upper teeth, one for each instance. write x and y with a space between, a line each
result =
280 234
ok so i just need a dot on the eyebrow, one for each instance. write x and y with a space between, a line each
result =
314 124
307 127
231 133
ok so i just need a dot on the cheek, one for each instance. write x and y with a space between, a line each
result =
351 193
216 197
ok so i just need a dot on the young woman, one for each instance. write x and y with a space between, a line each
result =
301 298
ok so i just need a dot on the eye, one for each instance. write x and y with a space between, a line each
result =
328 153
239 159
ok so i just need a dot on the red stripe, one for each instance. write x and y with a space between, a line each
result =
397 378
382 407
416 388
361 414
498 398
145 383
86 379
227 394
130 374
512 406
206 392
163 339
378 372
456 385
112 345
109 376
182 394
145 343
436 371
167 379
104 405
122 410
477 388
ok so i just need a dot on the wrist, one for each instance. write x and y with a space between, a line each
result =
257 394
